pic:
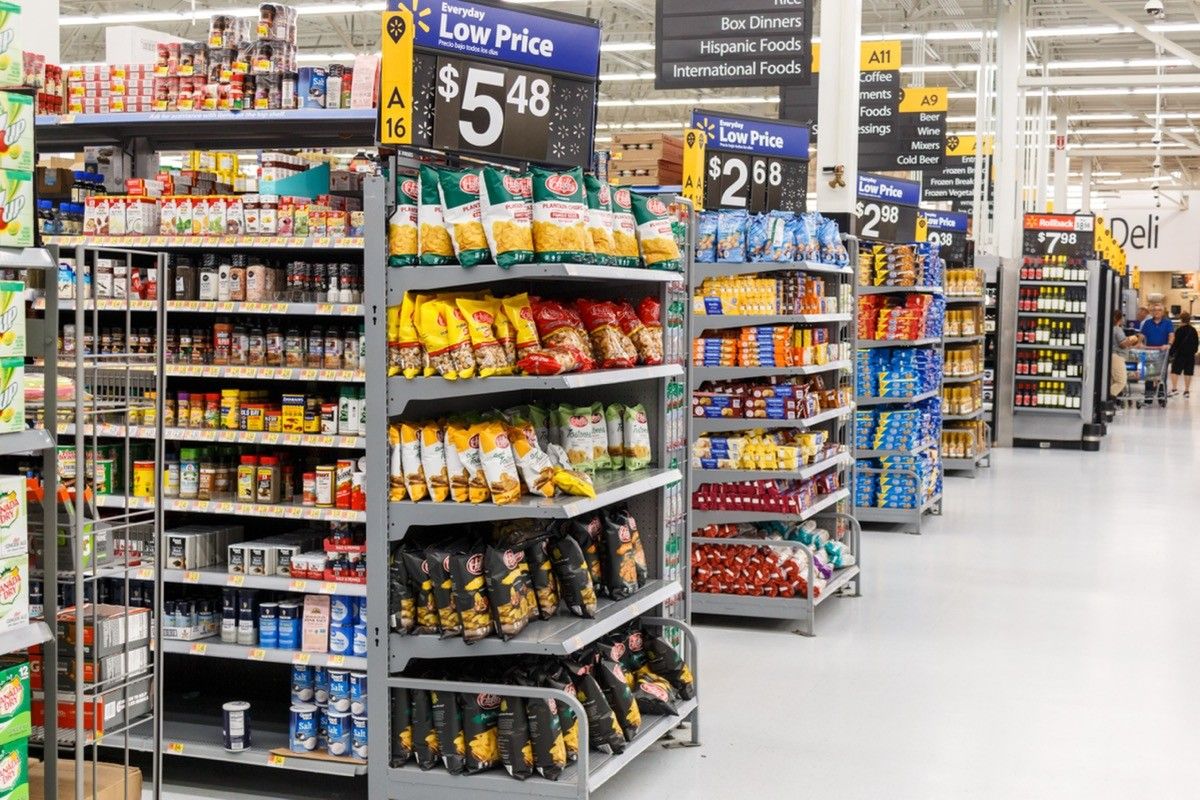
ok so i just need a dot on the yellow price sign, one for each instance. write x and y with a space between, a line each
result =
922 229
175 747
199 648
191 577
276 760
693 166
257 654
396 77
236 580
301 659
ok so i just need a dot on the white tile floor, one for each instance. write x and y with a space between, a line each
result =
1038 641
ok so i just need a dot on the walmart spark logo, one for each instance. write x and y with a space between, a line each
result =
419 13
709 127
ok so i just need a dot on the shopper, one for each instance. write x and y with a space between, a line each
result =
1183 355
1157 333
1143 313
1121 342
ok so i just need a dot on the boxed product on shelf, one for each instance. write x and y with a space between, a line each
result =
14 770
916 265
107 629
14 592
188 619
647 159
14 514
765 346
16 130
102 710
328 712
907 317
100 670
778 496
102 781
15 700
12 319
275 555
767 399
897 372
16 211
194 547
12 42
905 481
898 428
785 293
757 450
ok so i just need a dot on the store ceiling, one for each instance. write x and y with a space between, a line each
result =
941 38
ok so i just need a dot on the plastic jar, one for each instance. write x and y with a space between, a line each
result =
293 348
239 345
222 342
207 487
189 473
212 411
171 476
256 349
274 347
247 475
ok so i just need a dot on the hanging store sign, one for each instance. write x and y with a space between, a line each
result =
879 92
1070 235
913 139
955 181
708 43
887 209
509 84
1163 237
950 231
753 163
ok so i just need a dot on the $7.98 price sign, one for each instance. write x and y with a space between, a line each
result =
491 109
1053 243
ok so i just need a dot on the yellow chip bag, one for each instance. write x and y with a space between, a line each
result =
499 466
402 226
600 219
560 217
432 317
460 479
410 358
459 334
433 461
624 230
537 471
410 461
397 491
520 315
466 443
480 316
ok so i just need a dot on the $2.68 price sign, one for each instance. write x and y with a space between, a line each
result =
738 180
886 222
491 109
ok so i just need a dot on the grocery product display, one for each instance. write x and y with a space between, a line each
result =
900 365
964 442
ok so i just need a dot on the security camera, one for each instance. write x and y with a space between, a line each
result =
1156 138
1155 186
1157 163
1155 9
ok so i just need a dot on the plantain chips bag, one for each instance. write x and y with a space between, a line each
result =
560 217
461 215
402 226
433 240
481 730
448 722
505 198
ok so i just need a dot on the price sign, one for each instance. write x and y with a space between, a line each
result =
494 110
753 164
887 208
950 231
1069 235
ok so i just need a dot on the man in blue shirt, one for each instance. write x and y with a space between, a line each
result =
1158 332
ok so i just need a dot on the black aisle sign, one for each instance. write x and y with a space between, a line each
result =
914 139
504 83
879 92
955 181
1070 235
949 230
887 209
708 43
751 163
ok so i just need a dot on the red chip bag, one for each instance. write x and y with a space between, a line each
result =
650 313
559 326
645 341
552 361
612 348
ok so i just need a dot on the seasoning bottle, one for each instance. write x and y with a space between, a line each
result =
274 347
256 349
208 476
208 277
201 346
257 282
230 409
293 348
350 349
344 426
354 412
225 474
333 348
315 354
222 341
239 345
267 487
223 281
171 476
247 475
196 411
309 495
189 473
212 411
169 412
237 278
187 281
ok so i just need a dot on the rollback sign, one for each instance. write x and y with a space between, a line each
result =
753 163
1070 235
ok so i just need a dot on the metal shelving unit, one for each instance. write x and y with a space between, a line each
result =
652 495
832 507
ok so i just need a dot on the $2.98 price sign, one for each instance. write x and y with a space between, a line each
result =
886 222
491 109
739 180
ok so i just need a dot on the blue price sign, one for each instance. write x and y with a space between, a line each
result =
887 208
752 163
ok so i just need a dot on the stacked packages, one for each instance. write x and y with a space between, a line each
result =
737 237
898 373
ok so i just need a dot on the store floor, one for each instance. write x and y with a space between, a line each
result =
1038 641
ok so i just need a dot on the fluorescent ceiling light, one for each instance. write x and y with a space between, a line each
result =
626 47
685 101
627 76
642 126
134 17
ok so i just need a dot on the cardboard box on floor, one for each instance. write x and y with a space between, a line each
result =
109 783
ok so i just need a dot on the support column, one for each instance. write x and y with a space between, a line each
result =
1061 163
1087 185
837 106
1010 65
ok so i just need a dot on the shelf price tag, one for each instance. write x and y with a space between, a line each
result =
298 585
336 661
301 659
491 109
198 648
396 77
145 574
329 587
257 654
276 760
191 577
175 747
236 580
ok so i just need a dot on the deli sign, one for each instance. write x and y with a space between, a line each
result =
1156 239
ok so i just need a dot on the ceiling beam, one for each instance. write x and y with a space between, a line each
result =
1143 31
1107 81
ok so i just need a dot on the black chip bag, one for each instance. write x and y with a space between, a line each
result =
516 748
612 680
639 552
509 589
634 657
545 730
654 693
620 565
422 588
586 532
574 578
470 594
481 731
437 558
604 731
447 720
402 606
663 660
559 677
402 728
426 744
541 575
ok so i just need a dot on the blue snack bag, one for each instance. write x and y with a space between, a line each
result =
781 244
832 250
757 239
731 237
706 237
808 247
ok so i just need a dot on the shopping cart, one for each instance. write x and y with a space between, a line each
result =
1147 374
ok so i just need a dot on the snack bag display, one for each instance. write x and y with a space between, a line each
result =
467 445
410 459
499 466
616 689
781 243
731 236
624 229
621 573
458 333
561 328
647 342
422 587
649 311
560 216
470 593
410 358
586 533
600 459
397 490
757 238
516 747
611 346
426 746
402 739
490 356
433 461
604 729
459 191
574 578
614 421
402 226
402 604
574 426
481 730
505 202
600 219
636 430
447 721
433 240
537 471
541 574
654 233
432 317
459 478
519 313
706 237
545 730
437 560
509 590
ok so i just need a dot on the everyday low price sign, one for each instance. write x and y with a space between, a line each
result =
887 208
949 230
753 163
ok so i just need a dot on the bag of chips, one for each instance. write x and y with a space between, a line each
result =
426 745
560 216
574 577
758 239
467 445
437 560
613 422
645 342
612 347
537 471
560 326
639 552
557 360
545 730
706 237
410 358
541 575
659 249
654 693
458 333
781 245
410 460
402 727
600 219
616 689
731 236
519 312
459 477
516 746
447 721
422 586
509 589
567 479
489 354
432 318
433 461
624 229
507 215
461 215
470 593
650 343
586 532
402 225
604 730
663 660
600 459
402 606
397 490
575 432
557 676
506 336
636 430
433 240
620 565
499 466
481 730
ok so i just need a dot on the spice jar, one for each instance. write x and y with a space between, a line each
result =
237 278
239 345
258 282
225 475
256 349
293 348
208 476
189 473
209 277
212 411
270 477
196 411
333 348
247 476
274 347
222 342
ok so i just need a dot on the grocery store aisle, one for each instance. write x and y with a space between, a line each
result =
1037 642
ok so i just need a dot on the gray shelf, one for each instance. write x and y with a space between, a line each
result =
700 374
966 299
711 270
219 576
26 258
949 379
702 476
215 648
448 276
863 290
978 337
736 605
559 636
1074 412
709 424
1077 348
26 441
402 391
898 516
702 518
868 344
1024 282
1046 379
887 401
222 436
976 414
29 634
965 464
1052 314
725 321
894 452
610 488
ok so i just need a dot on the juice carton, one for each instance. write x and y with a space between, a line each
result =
14 592
14 702
12 395
16 131
14 512
12 58
16 213
12 319
14 770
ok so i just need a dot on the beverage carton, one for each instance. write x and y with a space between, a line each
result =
14 592
16 131
14 512
16 207
14 770
12 394
12 319
12 56
14 702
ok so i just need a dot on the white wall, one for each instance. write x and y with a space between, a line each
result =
1156 239
39 27
129 44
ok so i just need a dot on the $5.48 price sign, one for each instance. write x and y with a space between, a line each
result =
886 222
491 109
739 180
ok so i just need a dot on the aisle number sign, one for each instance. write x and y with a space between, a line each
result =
693 166
396 78
882 56
920 99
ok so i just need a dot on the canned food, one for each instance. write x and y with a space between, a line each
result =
235 725
338 732
143 478
302 728
339 689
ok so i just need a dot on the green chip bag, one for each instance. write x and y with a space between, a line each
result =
402 226
507 215
656 237
461 215
433 240
600 219
560 217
